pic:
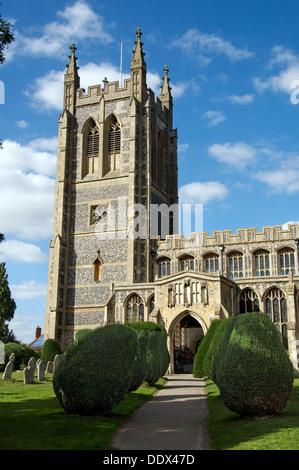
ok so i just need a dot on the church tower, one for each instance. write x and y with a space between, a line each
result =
117 158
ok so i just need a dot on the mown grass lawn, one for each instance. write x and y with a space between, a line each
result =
32 419
228 431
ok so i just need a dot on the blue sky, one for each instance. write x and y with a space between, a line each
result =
234 70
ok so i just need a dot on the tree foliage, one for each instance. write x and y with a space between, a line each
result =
6 37
7 304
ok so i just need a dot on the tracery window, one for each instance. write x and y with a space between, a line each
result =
211 263
163 267
187 263
92 149
286 261
134 311
249 301
261 263
276 309
235 265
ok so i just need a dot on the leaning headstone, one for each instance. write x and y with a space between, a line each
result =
56 362
40 370
9 367
28 372
49 367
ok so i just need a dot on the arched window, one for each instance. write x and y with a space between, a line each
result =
249 301
286 261
235 265
97 270
134 311
91 152
276 309
163 267
211 263
187 263
261 263
113 143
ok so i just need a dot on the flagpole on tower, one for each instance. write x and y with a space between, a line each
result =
121 63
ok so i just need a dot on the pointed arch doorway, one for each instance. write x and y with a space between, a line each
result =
186 333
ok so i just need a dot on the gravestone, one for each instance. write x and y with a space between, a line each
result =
56 362
28 372
40 370
9 367
49 367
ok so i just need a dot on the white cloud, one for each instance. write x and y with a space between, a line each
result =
24 325
204 45
22 124
214 117
28 290
237 155
76 22
47 91
243 99
281 181
37 156
280 81
21 252
27 181
202 193
290 222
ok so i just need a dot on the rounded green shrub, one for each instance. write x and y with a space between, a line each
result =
94 374
50 349
81 334
253 371
140 360
213 346
157 352
22 354
202 349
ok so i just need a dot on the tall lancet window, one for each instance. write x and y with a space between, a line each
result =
113 143
91 149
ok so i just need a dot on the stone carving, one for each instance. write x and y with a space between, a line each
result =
28 372
9 367
40 370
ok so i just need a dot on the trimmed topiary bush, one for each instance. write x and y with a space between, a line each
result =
81 334
253 371
213 346
140 360
22 354
50 349
94 374
202 349
157 352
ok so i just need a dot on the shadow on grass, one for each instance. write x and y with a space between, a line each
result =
230 431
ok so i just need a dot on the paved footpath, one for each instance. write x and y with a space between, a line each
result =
175 419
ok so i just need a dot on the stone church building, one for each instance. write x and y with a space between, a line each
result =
111 258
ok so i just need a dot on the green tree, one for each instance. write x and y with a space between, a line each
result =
7 303
6 36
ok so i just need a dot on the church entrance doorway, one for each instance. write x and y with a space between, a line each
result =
187 335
